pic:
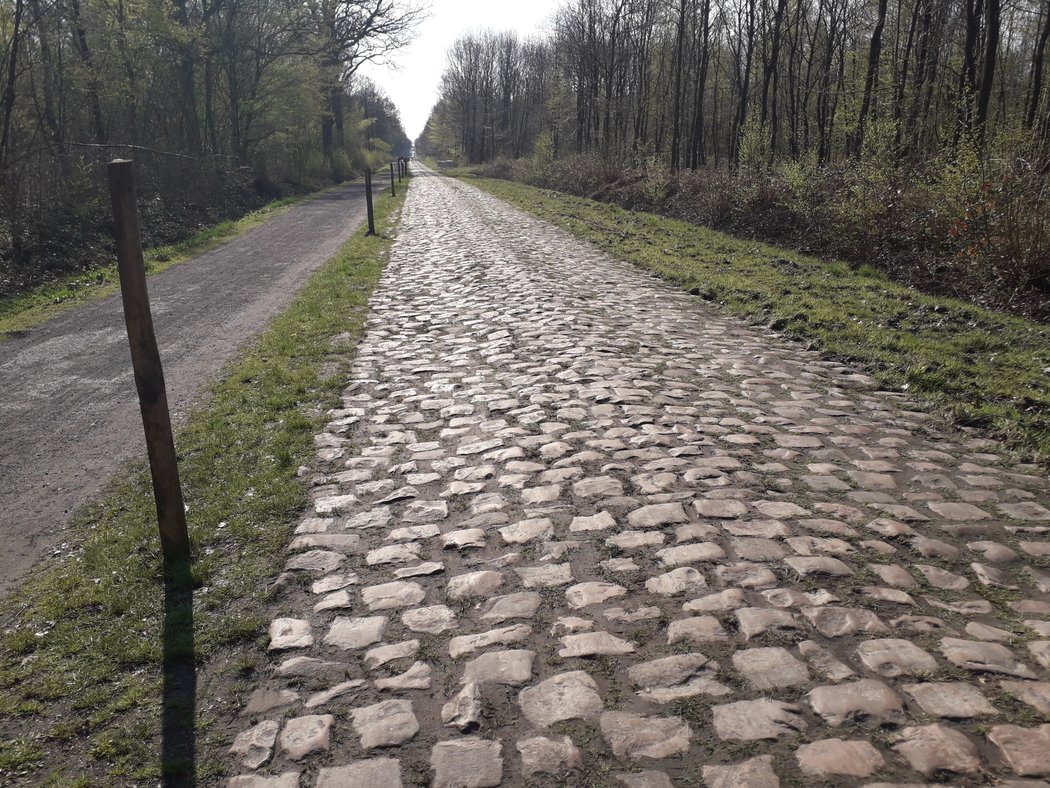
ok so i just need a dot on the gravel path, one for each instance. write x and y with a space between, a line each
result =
573 527
68 413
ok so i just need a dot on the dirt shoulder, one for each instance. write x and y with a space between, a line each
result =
68 413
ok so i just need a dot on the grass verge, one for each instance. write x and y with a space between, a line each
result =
80 649
980 368
23 311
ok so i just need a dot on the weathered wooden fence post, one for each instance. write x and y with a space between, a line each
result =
145 359
393 184
368 202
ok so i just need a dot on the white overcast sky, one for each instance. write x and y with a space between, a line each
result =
412 80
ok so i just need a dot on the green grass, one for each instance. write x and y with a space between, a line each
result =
25 310
80 644
979 368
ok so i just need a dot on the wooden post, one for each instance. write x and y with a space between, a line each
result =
145 359
368 202
393 185
400 169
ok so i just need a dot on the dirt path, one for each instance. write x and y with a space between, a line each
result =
581 529
68 413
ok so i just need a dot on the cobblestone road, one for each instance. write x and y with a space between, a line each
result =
575 528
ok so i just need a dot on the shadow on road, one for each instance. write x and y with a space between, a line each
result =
179 695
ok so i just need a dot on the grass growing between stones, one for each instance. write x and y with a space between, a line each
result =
23 311
979 368
80 648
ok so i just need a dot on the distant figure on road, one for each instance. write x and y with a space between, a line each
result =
403 150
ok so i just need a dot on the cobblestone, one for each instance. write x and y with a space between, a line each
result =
572 526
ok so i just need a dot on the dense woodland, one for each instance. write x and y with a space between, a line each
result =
222 103
911 134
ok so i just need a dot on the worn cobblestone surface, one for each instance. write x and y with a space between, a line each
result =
572 527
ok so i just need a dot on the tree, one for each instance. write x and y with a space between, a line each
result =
687 82
220 101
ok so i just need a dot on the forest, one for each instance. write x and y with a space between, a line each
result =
911 136
223 104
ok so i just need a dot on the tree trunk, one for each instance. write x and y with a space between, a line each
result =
84 50
1037 70
748 47
697 152
610 70
993 13
131 93
9 87
676 122
187 76
968 75
902 80
770 75
874 53
921 71
54 130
